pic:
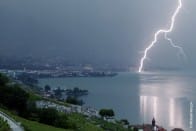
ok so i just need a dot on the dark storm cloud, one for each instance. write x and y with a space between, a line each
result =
103 31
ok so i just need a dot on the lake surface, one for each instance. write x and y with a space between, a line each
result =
169 97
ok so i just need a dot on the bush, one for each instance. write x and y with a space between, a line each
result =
47 88
74 101
106 113
124 121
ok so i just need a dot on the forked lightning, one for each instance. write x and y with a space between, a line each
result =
165 32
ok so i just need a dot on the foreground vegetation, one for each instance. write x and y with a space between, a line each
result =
31 125
82 124
4 125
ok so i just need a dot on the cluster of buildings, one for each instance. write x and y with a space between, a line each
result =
87 111
46 73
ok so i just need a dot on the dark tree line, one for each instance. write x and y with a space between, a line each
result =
3 80
12 96
51 116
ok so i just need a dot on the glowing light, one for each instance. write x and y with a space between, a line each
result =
155 110
143 107
158 33
172 111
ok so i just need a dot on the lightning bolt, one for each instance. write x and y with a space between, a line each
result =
180 49
161 31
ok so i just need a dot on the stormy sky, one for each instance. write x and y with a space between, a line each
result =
97 31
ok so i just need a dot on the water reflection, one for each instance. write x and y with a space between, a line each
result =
167 111
191 115
168 100
171 112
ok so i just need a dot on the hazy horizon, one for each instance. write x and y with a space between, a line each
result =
97 31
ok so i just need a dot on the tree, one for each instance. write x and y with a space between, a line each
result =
58 92
106 113
125 121
47 88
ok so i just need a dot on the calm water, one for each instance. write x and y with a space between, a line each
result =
169 97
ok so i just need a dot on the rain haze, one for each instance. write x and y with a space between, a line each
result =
95 54
96 31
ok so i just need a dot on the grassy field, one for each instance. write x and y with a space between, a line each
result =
95 124
35 126
82 123
117 126
32 125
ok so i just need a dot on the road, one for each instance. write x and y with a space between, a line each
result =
15 126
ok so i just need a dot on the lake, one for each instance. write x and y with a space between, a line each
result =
169 97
